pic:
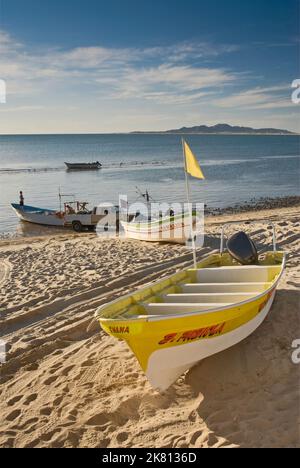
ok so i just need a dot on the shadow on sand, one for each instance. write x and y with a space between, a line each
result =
251 391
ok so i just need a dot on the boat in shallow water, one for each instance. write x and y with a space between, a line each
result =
35 215
174 323
83 166
74 215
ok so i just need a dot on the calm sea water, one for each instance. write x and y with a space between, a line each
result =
237 169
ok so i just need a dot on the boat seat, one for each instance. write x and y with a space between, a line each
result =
237 274
207 298
176 308
224 287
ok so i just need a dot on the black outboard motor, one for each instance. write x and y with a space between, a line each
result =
242 249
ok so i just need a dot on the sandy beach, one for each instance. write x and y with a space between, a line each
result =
68 384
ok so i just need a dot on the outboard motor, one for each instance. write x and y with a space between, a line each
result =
242 249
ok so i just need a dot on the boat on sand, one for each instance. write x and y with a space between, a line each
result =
176 322
174 229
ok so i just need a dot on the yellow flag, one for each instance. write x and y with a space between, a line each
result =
191 164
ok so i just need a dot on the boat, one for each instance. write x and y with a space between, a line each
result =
83 166
43 216
74 215
174 323
174 229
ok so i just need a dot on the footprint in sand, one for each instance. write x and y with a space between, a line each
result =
32 367
179 442
50 380
58 401
13 415
198 438
101 420
47 436
30 399
122 437
87 363
55 367
212 440
14 400
73 413
29 424
57 353
45 411
67 370
8 443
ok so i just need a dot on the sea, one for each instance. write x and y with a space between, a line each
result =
237 168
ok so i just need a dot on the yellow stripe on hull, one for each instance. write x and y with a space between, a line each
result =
146 336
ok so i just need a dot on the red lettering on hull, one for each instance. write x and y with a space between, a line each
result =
192 335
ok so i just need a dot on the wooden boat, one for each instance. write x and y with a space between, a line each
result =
174 323
83 166
175 229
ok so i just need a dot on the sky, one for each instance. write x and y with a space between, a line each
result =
94 66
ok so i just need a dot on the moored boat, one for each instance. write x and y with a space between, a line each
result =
83 166
174 323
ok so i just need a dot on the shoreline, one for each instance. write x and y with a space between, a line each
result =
252 206
257 204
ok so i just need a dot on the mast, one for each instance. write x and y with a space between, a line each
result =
188 196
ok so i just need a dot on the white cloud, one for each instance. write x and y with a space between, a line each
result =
171 83
259 98
21 109
127 88
159 73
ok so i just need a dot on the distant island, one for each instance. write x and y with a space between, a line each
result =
224 129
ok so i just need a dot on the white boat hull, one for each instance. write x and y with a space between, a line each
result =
165 366
177 231
46 218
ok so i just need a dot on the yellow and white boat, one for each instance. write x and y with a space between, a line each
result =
174 323
173 229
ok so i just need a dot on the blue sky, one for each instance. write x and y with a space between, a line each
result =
94 66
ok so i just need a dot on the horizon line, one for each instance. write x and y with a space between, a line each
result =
157 132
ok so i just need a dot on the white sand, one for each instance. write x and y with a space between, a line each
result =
65 387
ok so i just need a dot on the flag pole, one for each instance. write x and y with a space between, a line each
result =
188 196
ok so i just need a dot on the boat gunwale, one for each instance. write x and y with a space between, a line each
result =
33 209
158 222
152 318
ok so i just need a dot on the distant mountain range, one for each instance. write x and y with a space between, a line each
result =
226 129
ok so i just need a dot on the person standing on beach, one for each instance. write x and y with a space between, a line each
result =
21 199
